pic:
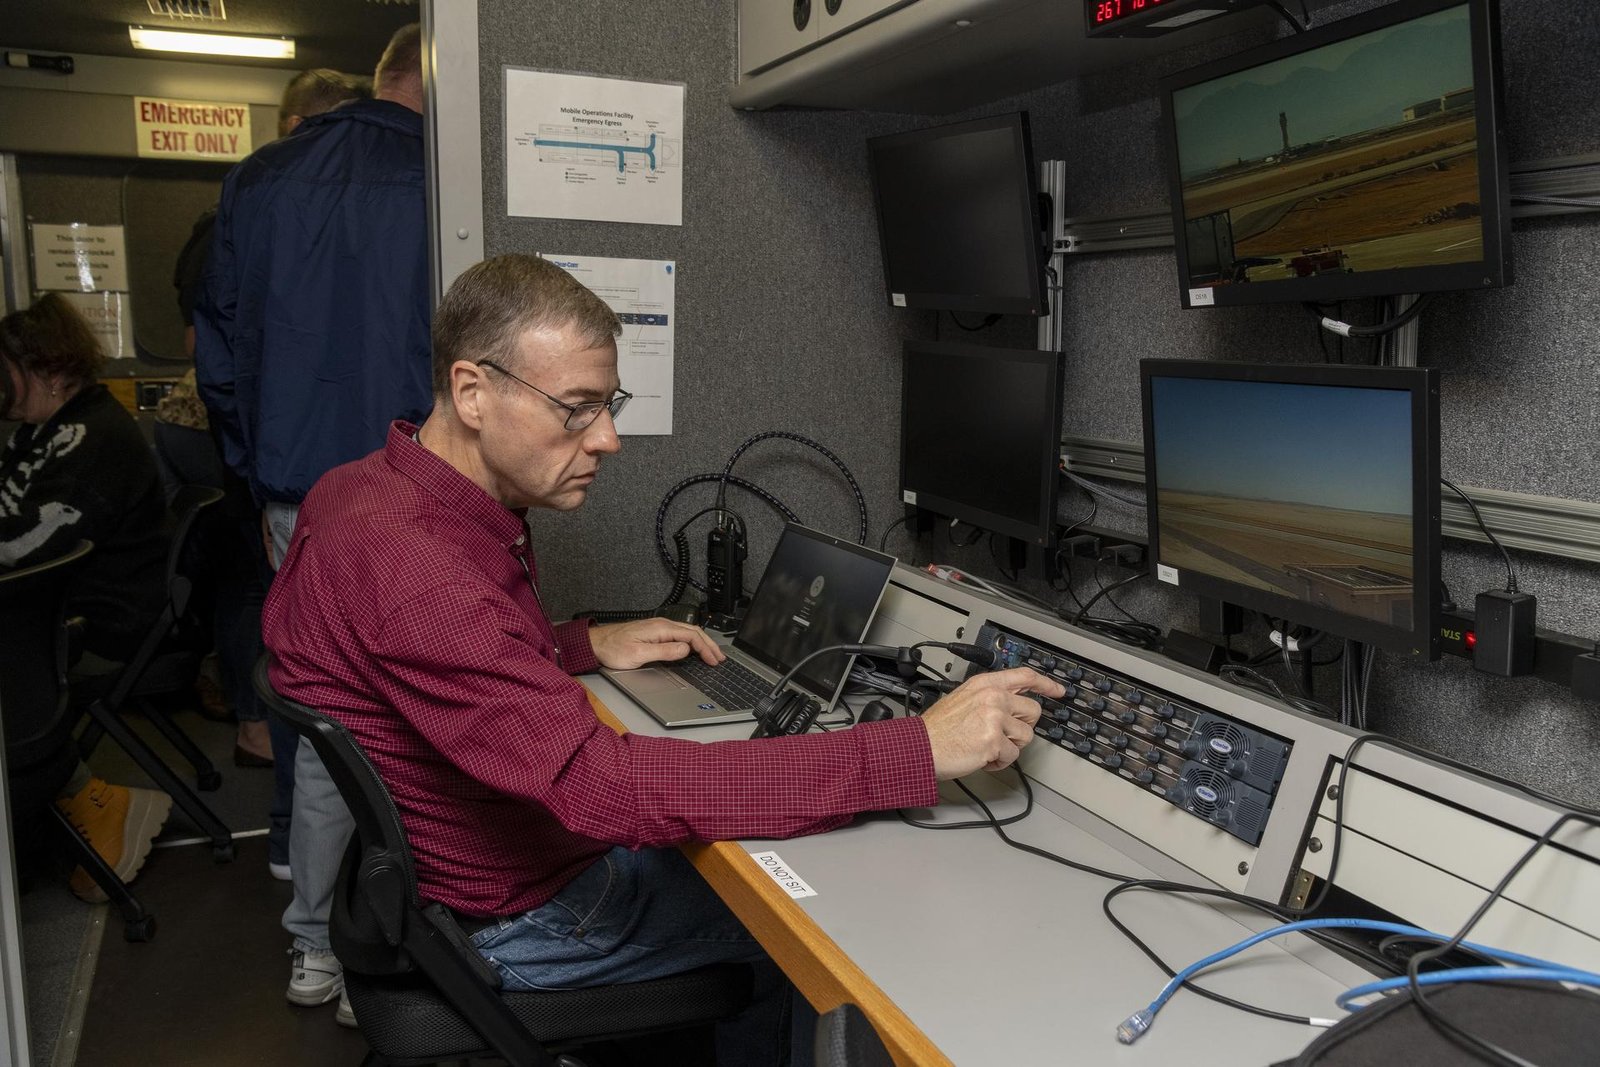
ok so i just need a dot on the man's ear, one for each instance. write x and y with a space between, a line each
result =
468 388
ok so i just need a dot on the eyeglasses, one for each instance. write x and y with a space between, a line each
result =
579 416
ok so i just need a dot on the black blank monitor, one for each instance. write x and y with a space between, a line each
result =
958 214
1308 493
980 436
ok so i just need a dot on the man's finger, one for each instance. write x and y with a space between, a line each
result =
1019 680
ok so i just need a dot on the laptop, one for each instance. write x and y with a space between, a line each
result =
817 591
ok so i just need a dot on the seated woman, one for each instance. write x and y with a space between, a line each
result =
78 468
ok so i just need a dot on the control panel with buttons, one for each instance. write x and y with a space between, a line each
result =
1200 761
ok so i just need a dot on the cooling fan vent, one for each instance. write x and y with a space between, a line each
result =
1208 792
1221 741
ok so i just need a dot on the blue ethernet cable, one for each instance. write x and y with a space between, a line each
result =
1470 974
1134 1026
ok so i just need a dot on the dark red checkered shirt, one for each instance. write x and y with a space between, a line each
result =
407 609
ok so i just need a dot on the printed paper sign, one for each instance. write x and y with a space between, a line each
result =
579 146
190 129
641 292
1167 573
78 258
107 315
790 882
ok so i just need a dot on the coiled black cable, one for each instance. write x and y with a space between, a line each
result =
801 439
680 581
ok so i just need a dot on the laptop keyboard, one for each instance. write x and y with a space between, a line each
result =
733 685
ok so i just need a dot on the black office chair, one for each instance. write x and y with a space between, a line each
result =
847 1038
162 665
420 991
35 708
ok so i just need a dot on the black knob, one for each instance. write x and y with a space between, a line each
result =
1152 755
1075 673
1177 793
1135 697
1190 748
1145 777
1165 711
1158 730
1104 685
1071 691
1120 741
1098 703
1113 761
1084 747
1091 727
1236 768
1048 663
1128 718
1055 731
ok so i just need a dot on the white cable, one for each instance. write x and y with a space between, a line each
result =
1087 485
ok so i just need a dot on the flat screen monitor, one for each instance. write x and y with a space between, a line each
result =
1309 493
980 436
958 215
1360 159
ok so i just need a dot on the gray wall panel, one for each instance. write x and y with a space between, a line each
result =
782 325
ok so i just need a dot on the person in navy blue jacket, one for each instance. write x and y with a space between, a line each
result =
311 337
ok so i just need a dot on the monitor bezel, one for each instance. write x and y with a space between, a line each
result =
1034 302
1492 271
1422 642
1041 530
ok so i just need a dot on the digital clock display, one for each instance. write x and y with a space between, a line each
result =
1101 12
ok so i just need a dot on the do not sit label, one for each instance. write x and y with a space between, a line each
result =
780 872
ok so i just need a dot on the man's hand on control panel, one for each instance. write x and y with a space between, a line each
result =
985 722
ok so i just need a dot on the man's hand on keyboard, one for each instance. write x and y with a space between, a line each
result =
623 646
985 721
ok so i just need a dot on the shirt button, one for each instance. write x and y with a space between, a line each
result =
520 539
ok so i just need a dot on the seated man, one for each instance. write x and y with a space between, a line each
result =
408 608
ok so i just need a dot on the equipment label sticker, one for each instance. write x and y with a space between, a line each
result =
1201 298
787 880
908 495
1167 574
897 299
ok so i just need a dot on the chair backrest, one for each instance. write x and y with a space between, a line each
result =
33 671
186 507
378 923
846 1038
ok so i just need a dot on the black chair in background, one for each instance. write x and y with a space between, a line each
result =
847 1038
420 991
164 664
35 707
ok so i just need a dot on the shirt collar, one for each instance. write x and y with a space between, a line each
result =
458 493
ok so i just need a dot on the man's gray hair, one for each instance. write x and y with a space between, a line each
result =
495 302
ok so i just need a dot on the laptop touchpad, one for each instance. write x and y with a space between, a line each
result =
655 680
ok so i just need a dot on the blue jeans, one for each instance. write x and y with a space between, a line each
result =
634 916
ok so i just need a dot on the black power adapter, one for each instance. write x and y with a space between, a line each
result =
1504 625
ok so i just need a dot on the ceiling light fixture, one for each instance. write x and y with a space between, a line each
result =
211 44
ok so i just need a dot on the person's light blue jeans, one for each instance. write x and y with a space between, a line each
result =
633 916
319 823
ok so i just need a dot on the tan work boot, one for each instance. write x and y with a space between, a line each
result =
120 824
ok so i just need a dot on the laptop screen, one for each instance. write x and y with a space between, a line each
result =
817 591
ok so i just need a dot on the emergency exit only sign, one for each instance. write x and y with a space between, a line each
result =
191 129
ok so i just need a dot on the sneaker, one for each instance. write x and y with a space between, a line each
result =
346 1015
120 824
315 977
280 871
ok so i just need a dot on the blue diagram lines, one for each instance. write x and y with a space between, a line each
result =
622 150
643 152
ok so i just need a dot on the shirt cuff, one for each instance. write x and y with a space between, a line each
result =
577 654
897 763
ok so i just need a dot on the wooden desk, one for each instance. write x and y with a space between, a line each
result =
814 963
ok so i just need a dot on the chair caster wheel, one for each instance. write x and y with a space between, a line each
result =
209 782
137 930
222 853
